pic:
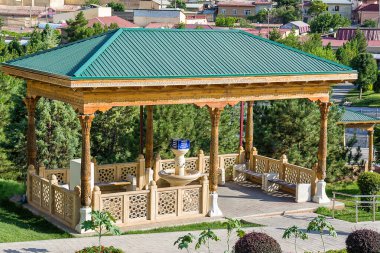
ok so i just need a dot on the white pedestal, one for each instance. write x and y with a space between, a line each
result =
320 196
180 162
75 175
85 214
214 208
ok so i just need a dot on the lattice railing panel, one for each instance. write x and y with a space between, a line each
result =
45 195
191 200
59 202
106 175
69 207
138 206
61 175
291 175
167 202
191 164
207 165
275 166
113 205
260 165
229 161
36 189
127 170
168 164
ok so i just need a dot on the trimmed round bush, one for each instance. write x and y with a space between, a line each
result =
363 241
369 183
103 249
257 243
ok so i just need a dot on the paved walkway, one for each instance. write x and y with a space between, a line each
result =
340 91
163 242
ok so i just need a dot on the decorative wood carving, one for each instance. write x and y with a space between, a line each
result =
215 113
31 102
322 148
249 130
149 137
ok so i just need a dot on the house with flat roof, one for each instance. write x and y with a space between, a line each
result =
367 12
153 4
171 16
242 9
341 7
300 26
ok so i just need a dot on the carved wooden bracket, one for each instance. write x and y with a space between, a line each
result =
219 105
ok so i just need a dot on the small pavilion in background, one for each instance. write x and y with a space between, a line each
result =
134 67
354 119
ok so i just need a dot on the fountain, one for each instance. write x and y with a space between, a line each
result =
179 176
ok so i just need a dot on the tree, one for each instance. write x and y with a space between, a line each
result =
291 40
261 16
90 2
369 23
275 34
317 7
366 66
291 127
361 41
294 3
326 21
295 232
313 45
116 6
286 14
225 21
177 4
76 29
320 224
181 25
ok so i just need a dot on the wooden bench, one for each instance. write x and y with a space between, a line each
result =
271 183
240 173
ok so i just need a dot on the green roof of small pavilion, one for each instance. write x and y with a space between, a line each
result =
354 117
164 53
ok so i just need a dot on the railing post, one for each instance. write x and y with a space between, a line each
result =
152 200
241 157
284 161
141 172
356 210
41 171
52 182
96 196
205 195
157 167
374 208
333 207
29 183
201 161
76 207
252 160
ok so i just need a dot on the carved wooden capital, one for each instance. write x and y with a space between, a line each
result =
31 103
219 105
215 115
86 122
324 108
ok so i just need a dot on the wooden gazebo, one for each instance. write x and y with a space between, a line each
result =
130 67
354 119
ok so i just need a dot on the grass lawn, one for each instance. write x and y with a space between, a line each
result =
191 227
347 214
369 98
18 224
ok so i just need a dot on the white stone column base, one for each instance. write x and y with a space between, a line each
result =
214 208
85 214
320 197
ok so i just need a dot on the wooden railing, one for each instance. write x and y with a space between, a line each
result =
154 204
48 197
290 173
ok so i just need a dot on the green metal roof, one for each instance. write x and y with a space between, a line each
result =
163 53
350 116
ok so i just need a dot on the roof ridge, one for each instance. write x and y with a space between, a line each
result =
297 51
56 48
97 53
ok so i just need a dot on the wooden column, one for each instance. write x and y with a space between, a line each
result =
31 103
241 124
370 148
86 121
214 147
149 137
249 130
141 146
322 148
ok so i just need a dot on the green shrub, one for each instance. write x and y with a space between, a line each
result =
8 188
256 243
95 249
337 251
363 241
369 183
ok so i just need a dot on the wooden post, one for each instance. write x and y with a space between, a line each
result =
149 137
370 149
86 121
241 156
284 161
140 175
201 161
249 130
252 162
31 103
241 124
214 147
322 148
141 146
